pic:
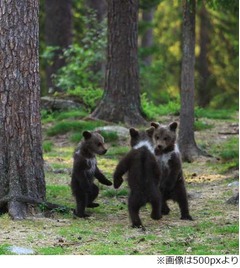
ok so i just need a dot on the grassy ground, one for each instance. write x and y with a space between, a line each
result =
107 231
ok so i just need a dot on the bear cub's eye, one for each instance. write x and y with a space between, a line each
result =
99 144
165 138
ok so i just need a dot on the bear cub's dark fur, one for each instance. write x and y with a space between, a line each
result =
85 169
143 176
169 160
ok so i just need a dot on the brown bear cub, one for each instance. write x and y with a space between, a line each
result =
169 160
143 176
85 169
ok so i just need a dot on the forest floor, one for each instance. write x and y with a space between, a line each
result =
209 181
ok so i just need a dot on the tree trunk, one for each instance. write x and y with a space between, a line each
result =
121 101
58 33
187 144
21 161
147 39
203 90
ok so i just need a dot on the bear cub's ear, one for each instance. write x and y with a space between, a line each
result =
133 132
173 126
150 131
154 124
87 135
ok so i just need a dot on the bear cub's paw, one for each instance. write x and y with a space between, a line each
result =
187 217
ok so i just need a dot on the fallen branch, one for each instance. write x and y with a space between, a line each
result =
31 200
228 133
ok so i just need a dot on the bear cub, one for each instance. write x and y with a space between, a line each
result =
143 176
169 160
85 169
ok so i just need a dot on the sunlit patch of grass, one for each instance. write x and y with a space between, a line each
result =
60 194
107 165
59 155
52 178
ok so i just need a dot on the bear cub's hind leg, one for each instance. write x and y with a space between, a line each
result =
134 205
156 206
92 196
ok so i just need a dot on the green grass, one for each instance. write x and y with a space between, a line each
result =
118 151
47 146
4 249
56 250
230 149
60 194
74 114
201 125
115 193
228 229
76 137
228 154
153 111
64 127
109 136
108 230
48 117
213 114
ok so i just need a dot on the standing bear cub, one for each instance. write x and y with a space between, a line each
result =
169 160
85 169
143 176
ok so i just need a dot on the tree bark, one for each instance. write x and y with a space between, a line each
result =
147 39
21 161
58 33
186 139
203 90
121 101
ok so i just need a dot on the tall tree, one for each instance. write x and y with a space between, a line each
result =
21 161
187 144
58 32
203 89
121 100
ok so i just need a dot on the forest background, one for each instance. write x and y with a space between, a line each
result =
80 71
